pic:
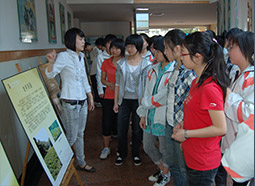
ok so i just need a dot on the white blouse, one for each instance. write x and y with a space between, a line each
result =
74 79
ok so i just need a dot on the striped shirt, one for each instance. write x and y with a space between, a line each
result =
181 87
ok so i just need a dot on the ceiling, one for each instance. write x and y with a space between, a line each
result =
175 14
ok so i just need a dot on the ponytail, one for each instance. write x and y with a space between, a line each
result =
212 52
216 67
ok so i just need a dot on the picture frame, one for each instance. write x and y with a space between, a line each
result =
27 21
62 21
50 11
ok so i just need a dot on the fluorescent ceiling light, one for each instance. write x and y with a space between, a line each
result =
142 9
157 14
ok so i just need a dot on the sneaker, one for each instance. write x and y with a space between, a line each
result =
163 180
114 135
104 153
137 161
154 177
117 152
119 161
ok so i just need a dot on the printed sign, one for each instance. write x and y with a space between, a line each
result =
37 116
7 176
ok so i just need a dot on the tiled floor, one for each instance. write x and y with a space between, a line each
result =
107 173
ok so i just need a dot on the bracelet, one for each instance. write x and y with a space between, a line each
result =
185 134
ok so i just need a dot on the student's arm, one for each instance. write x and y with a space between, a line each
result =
116 90
159 99
99 83
51 59
210 93
111 85
142 123
116 96
55 64
218 128
239 107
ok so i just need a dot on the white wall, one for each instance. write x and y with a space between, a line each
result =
12 134
104 28
9 33
242 12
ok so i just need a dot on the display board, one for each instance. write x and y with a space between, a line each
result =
7 176
36 114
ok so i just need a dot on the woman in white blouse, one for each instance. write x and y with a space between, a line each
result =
74 92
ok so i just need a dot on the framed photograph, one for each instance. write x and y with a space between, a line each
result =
51 21
69 20
62 21
27 21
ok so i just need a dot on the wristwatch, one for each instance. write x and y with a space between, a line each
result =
185 134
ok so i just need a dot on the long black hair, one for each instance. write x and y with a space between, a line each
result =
174 37
212 52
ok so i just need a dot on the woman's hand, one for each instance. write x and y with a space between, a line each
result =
111 85
177 127
179 135
51 56
91 105
116 108
142 123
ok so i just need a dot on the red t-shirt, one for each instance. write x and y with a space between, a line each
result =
202 153
110 69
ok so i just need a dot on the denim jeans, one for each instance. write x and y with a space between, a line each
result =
221 176
175 158
150 146
74 119
128 107
201 178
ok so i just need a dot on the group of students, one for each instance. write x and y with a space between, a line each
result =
180 103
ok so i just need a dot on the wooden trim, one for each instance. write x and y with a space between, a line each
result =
170 2
21 54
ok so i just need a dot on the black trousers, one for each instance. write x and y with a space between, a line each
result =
94 86
127 107
109 123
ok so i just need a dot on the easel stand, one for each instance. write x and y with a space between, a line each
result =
69 173
70 169
67 177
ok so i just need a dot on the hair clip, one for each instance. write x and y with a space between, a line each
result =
215 40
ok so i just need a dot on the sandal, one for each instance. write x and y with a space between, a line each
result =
86 168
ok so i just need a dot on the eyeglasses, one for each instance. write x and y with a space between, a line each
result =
229 47
185 54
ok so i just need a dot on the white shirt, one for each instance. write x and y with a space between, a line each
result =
74 79
100 59
93 56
